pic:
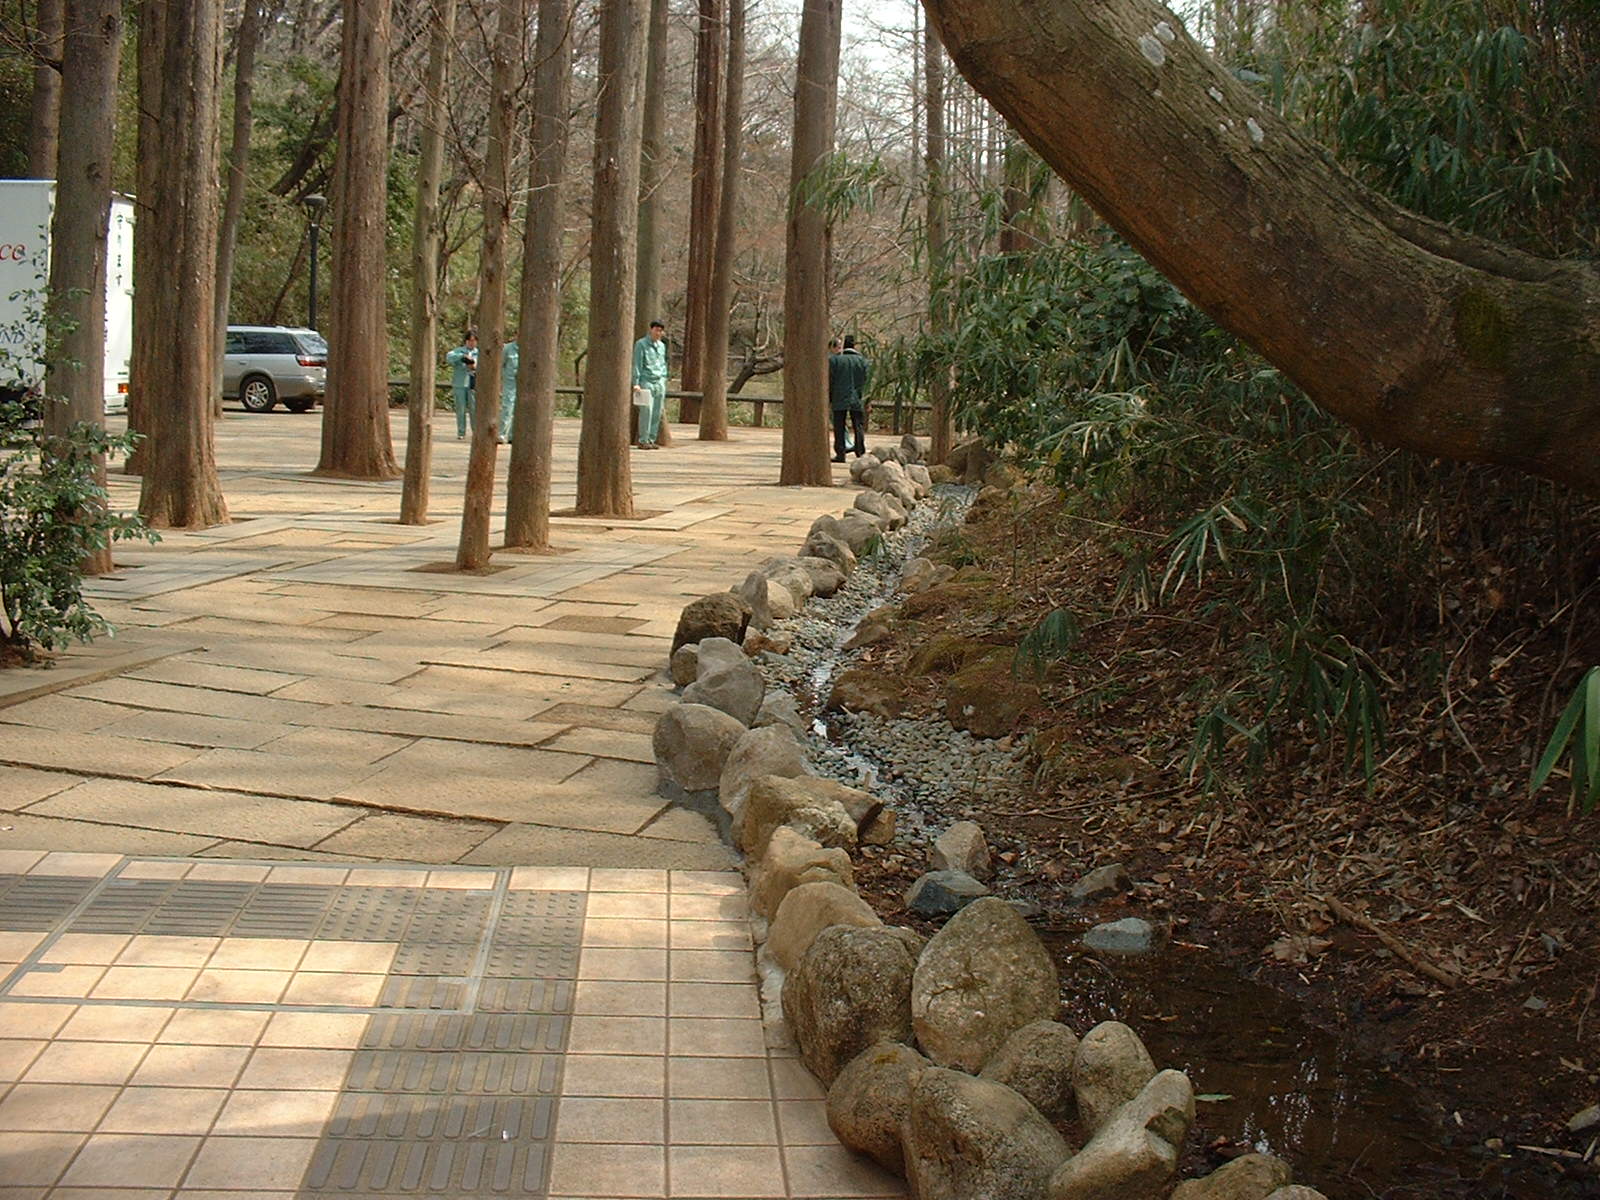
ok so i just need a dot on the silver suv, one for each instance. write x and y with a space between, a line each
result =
263 364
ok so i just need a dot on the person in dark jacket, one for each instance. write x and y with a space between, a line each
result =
848 374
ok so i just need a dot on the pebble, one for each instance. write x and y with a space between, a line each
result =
1131 935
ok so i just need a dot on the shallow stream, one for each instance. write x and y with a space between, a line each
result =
1273 1080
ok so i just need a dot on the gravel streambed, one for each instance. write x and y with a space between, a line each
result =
922 767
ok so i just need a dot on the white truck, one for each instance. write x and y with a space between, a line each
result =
26 207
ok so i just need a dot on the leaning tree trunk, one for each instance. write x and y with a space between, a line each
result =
44 114
714 379
75 313
805 292
652 192
238 165
148 261
355 413
425 236
704 189
180 486
605 478
472 550
539 331
943 427
1414 334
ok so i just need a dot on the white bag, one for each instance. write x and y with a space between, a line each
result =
642 397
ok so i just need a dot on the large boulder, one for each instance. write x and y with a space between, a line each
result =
1297 1191
720 615
787 573
1111 1068
847 991
866 810
920 478
1130 935
981 978
1036 1063
692 744
1136 1151
776 801
791 859
779 708
962 848
891 479
835 549
805 912
827 577
970 1139
875 627
864 690
869 1100
946 652
885 512
768 601
860 466
769 750
736 688
920 574
715 652
940 893
939 473
859 531
1252 1177
685 665
912 448
986 697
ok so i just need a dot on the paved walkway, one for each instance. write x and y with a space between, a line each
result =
338 873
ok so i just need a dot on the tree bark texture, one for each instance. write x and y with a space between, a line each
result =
652 193
472 551
714 381
75 315
605 477
44 114
704 189
237 164
539 328
1412 333
143 357
355 413
180 487
425 235
805 292
942 435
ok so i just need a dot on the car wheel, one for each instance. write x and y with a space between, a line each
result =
298 406
257 394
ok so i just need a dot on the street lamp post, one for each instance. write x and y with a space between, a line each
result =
314 205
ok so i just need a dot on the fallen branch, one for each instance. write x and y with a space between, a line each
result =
1393 944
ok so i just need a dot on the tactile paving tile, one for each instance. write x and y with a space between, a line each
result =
481 1072
36 903
370 914
378 1169
200 908
461 1031
557 962
284 910
122 906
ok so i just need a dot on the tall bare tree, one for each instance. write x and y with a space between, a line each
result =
943 433
704 190
714 383
355 414
652 191
426 232
805 288
472 551
605 478
538 340
144 359
1411 332
237 163
44 115
76 306
180 486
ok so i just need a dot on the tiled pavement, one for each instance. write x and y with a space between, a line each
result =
227 966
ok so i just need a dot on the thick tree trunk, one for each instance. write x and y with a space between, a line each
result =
539 329
704 191
75 314
44 114
714 379
143 360
943 432
1414 334
805 295
605 477
180 487
652 193
425 235
472 551
237 164
355 413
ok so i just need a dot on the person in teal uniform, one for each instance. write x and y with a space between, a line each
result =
508 389
463 362
650 371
